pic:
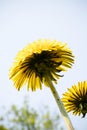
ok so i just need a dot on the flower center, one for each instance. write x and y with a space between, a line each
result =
40 67
42 64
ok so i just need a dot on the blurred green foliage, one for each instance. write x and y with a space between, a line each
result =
26 118
2 127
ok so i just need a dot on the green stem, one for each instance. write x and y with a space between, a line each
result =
60 105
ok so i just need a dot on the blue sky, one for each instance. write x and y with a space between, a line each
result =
24 21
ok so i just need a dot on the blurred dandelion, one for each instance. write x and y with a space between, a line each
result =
75 99
41 63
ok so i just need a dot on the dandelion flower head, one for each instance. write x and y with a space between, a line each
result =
75 99
37 61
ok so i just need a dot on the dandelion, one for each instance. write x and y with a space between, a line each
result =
75 99
41 63
40 60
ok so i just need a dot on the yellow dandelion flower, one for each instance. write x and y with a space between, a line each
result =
38 60
75 99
